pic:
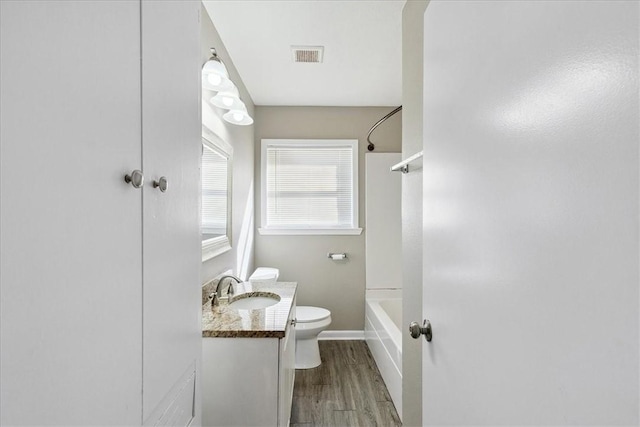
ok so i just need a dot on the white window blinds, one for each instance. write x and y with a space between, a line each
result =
309 184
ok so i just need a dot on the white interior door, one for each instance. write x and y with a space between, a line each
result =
531 213
71 259
172 246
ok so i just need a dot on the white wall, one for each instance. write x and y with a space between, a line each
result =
338 286
384 222
240 258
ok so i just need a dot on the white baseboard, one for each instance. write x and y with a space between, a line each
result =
341 335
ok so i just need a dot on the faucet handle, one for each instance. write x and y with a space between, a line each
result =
230 290
214 299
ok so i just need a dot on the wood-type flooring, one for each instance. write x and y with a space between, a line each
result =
345 390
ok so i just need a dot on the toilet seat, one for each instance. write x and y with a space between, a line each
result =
307 314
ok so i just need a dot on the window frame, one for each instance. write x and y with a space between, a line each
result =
221 244
354 229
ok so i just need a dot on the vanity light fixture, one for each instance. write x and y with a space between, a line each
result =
229 99
238 116
215 77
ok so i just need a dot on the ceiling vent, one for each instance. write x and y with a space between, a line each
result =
307 53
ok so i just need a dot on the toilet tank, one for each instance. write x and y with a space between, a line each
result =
265 274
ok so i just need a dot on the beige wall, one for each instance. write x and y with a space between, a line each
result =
240 258
337 286
412 72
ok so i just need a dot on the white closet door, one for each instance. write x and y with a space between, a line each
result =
70 288
172 249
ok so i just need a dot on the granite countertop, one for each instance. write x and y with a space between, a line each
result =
271 322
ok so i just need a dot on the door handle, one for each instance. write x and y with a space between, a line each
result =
162 184
416 330
135 178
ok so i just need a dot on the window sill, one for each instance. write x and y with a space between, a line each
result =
310 231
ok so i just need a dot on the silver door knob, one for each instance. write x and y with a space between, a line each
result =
416 330
162 184
136 178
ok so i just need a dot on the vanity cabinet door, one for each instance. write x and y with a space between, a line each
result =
240 382
287 371
71 250
171 146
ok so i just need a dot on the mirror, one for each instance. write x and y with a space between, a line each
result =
217 161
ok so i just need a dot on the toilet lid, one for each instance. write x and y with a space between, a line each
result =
311 314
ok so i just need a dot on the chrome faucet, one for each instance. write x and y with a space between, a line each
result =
217 295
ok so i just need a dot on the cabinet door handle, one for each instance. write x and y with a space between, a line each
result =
135 178
293 322
162 184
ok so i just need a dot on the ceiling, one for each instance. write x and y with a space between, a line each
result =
362 42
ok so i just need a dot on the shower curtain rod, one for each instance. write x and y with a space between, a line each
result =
371 147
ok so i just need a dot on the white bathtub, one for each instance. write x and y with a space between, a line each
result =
383 319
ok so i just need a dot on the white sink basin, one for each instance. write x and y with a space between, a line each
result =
255 301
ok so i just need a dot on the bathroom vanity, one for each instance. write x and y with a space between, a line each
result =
249 358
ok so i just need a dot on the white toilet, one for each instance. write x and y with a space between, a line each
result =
310 321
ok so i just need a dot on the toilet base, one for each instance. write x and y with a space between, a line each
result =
307 353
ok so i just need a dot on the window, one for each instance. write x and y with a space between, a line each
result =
309 187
